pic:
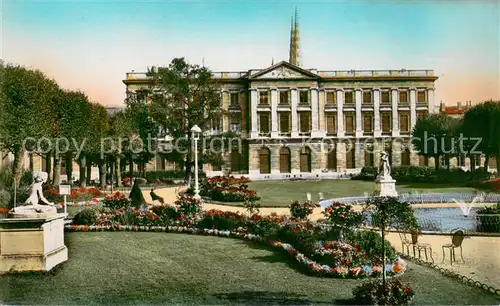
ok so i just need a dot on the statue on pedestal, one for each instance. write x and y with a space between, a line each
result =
384 169
32 204
385 184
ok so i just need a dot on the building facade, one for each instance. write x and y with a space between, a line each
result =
299 122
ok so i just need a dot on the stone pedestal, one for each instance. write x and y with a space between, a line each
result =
385 187
32 243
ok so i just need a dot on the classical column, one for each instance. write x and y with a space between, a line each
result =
413 108
315 132
254 132
341 156
359 120
275 159
295 101
377 131
340 113
395 119
321 111
359 151
430 100
253 160
274 112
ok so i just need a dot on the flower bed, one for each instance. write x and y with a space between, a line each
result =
227 189
77 194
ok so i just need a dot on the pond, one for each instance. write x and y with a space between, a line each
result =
445 219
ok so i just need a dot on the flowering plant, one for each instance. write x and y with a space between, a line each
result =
229 189
188 206
343 215
116 201
301 210
374 293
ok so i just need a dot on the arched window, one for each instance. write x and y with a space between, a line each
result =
265 160
405 157
332 159
369 155
305 159
285 160
350 158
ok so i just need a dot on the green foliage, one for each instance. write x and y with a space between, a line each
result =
136 196
375 293
4 198
371 242
389 211
301 210
188 206
222 220
251 206
116 201
489 219
87 216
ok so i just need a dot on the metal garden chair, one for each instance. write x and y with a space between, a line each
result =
457 237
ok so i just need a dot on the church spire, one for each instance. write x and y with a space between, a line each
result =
294 41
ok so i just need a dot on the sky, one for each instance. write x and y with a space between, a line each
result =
90 45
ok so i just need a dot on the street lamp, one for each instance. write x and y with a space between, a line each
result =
195 134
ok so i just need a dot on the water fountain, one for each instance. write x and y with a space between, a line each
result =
466 208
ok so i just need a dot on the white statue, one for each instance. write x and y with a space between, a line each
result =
36 190
385 168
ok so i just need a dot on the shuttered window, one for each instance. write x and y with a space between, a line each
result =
331 98
350 159
404 122
349 123
403 97
284 122
332 159
386 122
304 97
305 160
348 97
367 96
264 97
367 123
369 158
421 97
331 123
264 123
386 97
235 99
285 160
305 122
265 161
284 97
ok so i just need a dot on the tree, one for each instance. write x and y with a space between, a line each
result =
25 102
436 136
483 122
389 211
186 95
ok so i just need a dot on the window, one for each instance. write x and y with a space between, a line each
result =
405 157
421 96
305 122
331 124
284 97
403 97
349 123
284 122
304 97
285 161
350 159
264 123
369 157
305 159
368 123
265 160
386 122
422 114
332 159
386 97
331 98
235 99
348 97
367 96
404 122
216 125
235 122
237 161
264 97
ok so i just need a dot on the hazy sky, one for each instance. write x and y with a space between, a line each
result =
90 45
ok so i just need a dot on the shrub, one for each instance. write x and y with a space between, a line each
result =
188 206
488 219
264 226
252 206
167 213
301 210
222 220
136 196
87 216
116 201
371 243
343 215
4 199
373 293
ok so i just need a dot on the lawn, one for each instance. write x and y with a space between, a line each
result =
281 193
159 268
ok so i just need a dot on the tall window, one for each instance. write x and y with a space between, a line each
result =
264 123
284 122
385 97
304 122
369 157
367 96
235 122
284 97
405 157
237 161
305 159
285 163
421 96
332 159
350 158
331 124
331 98
264 97
348 97
304 97
350 124
386 122
265 160
235 99
403 97
368 123
404 122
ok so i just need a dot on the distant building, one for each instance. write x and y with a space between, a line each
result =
113 110
455 111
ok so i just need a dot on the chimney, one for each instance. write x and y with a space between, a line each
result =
442 107
459 105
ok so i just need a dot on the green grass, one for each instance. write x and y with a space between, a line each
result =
281 193
158 268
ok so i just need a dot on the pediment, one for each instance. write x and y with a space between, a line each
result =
284 70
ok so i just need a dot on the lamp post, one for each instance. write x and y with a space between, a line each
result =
195 134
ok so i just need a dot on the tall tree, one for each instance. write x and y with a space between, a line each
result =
483 122
436 136
25 103
187 95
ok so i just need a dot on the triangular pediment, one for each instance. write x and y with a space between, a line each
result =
284 70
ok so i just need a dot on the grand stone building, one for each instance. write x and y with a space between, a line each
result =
299 122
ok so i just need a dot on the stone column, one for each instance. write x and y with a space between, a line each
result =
378 147
397 149
295 95
340 115
395 119
315 131
253 160
359 155
377 129
254 131
430 100
413 108
321 111
341 155
359 120
275 159
274 112
295 159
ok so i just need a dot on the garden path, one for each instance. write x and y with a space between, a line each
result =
481 254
